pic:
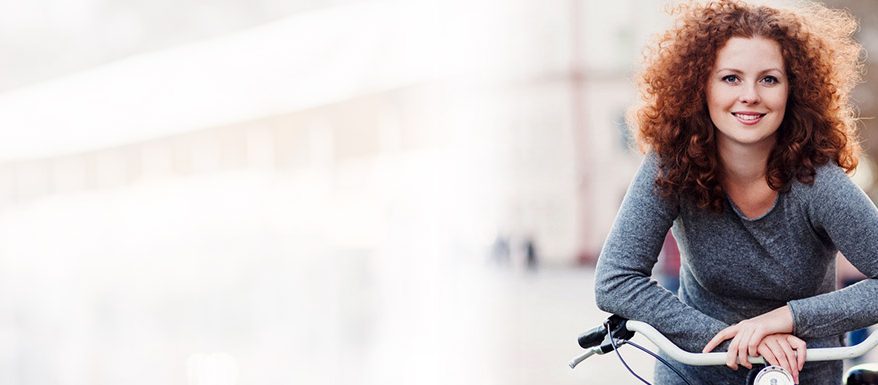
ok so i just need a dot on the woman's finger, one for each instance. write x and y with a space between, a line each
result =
767 354
793 365
743 348
801 349
754 341
723 335
783 352
732 354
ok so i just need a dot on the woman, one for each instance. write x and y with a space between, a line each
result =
749 132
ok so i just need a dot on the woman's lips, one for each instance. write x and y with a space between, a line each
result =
748 118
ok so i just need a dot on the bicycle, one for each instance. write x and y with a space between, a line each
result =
598 341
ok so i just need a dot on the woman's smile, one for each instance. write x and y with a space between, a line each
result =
748 118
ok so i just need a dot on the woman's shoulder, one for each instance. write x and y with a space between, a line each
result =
829 179
651 161
643 189
826 174
648 172
648 167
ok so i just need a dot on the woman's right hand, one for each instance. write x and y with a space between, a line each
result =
784 350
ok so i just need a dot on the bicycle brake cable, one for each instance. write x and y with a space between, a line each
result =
647 351
616 349
662 360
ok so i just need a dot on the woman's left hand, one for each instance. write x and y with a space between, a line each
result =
747 334
786 351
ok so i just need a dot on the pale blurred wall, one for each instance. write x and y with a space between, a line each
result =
613 38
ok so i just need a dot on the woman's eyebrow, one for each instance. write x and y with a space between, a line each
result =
737 71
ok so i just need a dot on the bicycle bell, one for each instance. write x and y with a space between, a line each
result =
773 375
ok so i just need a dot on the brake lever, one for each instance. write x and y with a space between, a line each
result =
617 328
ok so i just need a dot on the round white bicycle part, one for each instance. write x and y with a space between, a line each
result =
773 375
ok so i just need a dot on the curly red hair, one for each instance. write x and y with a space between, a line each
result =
822 60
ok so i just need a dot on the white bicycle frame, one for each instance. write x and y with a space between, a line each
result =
719 358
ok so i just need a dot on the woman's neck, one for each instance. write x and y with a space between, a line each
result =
744 164
744 170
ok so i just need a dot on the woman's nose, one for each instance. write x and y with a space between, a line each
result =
749 95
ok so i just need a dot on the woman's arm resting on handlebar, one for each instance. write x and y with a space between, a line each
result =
622 277
848 220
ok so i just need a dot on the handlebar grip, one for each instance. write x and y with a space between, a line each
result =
592 337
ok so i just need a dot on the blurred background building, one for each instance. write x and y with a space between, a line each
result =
309 191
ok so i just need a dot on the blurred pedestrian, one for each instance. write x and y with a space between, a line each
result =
500 251
530 253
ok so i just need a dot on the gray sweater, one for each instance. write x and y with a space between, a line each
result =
734 267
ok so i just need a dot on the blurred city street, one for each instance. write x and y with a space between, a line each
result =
550 294
532 319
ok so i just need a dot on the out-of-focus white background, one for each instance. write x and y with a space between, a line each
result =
314 191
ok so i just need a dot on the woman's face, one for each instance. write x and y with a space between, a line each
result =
747 92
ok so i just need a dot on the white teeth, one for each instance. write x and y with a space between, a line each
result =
748 116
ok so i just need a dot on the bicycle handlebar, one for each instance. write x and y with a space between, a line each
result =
719 358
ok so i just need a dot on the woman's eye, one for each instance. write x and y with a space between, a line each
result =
730 78
770 80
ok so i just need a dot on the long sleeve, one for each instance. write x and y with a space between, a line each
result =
622 280
840 211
